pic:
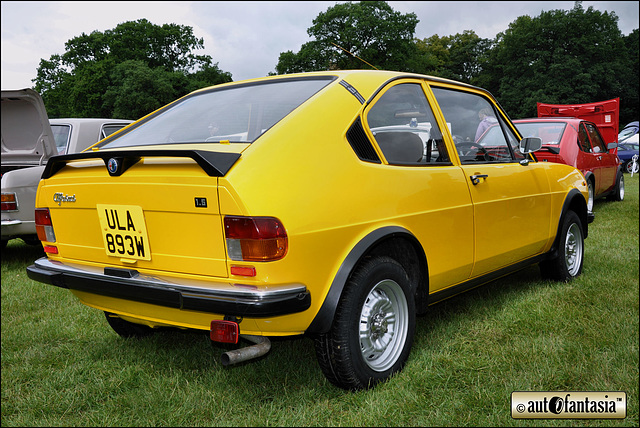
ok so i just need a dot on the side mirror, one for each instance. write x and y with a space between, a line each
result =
529 145
612 146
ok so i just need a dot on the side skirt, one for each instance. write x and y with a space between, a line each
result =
447 293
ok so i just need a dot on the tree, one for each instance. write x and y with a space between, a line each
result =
370 30
457 57
562 57
125 72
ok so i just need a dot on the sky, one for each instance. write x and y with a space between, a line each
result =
245 38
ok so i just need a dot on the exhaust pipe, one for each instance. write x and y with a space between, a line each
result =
261 346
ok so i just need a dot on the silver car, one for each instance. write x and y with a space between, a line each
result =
29 139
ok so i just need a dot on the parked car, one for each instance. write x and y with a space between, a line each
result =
578 143
626 151
25 130
630 130
333 204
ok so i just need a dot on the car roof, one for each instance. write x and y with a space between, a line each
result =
364 81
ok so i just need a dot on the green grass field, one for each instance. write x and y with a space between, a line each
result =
62 365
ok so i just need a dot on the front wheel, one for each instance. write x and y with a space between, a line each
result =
618 191
590 188
567 263
631 167
372 332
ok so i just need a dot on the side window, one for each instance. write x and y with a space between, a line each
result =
479 133
61 135
583 140
596 139
109 129
405 128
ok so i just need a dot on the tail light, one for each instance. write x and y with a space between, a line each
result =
44 226
9 202
257 239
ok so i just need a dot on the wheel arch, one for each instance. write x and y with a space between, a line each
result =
573 202
393 241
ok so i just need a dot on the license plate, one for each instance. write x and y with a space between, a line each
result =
124 232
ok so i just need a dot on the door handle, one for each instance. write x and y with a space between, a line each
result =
475 179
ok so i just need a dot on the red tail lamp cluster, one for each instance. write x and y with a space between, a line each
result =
44 229
255 239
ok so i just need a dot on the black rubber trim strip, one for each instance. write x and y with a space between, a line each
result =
168 297
215 164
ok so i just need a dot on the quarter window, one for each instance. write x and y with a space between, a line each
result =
405 128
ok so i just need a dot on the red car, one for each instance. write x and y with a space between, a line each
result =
578 143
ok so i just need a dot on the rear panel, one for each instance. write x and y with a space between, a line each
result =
154 216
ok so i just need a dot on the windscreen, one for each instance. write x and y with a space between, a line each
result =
237 114
549 132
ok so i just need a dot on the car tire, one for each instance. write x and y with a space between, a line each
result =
591 189
569 256
618 190
373 328
127 329
629 167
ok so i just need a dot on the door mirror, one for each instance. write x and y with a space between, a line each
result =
530 145
612 146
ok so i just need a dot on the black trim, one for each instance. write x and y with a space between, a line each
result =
360 143
172 298
215 164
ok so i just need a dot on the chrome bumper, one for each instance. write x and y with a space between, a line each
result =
212 297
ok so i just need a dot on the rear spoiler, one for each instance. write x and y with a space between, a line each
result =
215 164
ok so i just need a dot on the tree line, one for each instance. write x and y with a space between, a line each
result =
560 57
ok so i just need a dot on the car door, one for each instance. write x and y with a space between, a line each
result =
605 163
511 201
432 200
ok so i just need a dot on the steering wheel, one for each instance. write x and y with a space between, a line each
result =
470 154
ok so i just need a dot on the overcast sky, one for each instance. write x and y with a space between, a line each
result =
245 38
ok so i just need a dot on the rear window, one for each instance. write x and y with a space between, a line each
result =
238 114
549 132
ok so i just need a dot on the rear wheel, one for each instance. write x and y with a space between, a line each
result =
373 328
127 329
567 264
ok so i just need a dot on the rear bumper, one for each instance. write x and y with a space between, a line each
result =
215 298
12 228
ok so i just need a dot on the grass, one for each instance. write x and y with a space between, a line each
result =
63 366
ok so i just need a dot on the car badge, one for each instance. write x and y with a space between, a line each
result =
112 165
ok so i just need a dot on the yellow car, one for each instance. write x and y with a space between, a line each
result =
335 204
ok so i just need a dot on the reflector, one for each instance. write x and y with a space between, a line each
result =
224 331
243 270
